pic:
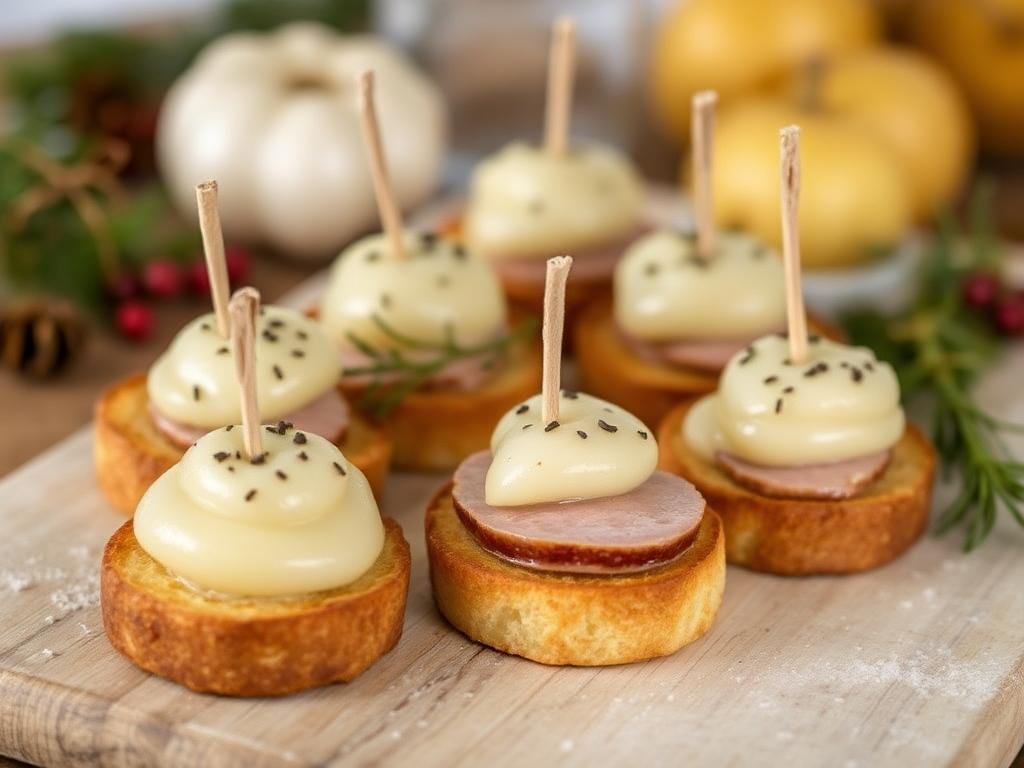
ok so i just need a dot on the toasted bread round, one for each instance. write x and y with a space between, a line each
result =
251 646
562 618
435 429
797 537
609 369
130 452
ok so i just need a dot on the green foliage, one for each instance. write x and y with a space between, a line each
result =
938 349
395 373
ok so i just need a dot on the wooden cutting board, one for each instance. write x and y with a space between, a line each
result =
919 663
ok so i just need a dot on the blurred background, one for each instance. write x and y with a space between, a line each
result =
912 110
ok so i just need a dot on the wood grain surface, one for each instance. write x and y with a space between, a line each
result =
919 663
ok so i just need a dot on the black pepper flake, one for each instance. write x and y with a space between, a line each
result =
230 468
581 433
282 427
459 251
748 355
643 435
788 390
844 364
272 429
298 353
771 379
276 323
429 240
551 425
526 426
238 454
278 372
570 394
258 459
606 426
300 438
223 351
778 405
250 495
221 455
195 391
341 469
856 374
815 369
269 335
280 474
697 261
869 366
814 338
522 409
229 427
303 456
372 256
302 335
205 326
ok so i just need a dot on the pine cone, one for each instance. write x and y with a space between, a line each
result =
40 337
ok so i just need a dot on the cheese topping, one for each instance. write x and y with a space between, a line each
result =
194 382
840 404
435 294
526 202
301 520
595 449
664 291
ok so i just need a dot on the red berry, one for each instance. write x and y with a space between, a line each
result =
980 289
198 279
237 261
134 320
1010 315
162 279
122 286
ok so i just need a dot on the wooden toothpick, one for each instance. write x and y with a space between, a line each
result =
213 250
703 119
390 213
561 66
795 316
244 307
551 335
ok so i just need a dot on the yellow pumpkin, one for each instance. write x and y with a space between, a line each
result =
982 44
911 105
736 46
855 199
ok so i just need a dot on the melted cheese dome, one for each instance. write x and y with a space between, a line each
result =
435 293
840 404
526 202
302 520
664 291
597 449
194 382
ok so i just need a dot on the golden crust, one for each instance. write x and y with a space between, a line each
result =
251 647
797 537
571 619
436 429
609 369
130 453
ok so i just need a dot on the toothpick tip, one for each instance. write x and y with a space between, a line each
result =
705 99
205 188
790 132
565 25
560 262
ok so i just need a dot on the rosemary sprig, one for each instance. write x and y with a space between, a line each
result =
394 374
938 350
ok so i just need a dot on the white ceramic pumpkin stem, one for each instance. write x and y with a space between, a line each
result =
703 127
795 316
213 250
551 334
390 213
561 66
244 307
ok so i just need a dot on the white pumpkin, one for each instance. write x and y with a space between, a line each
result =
273 118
